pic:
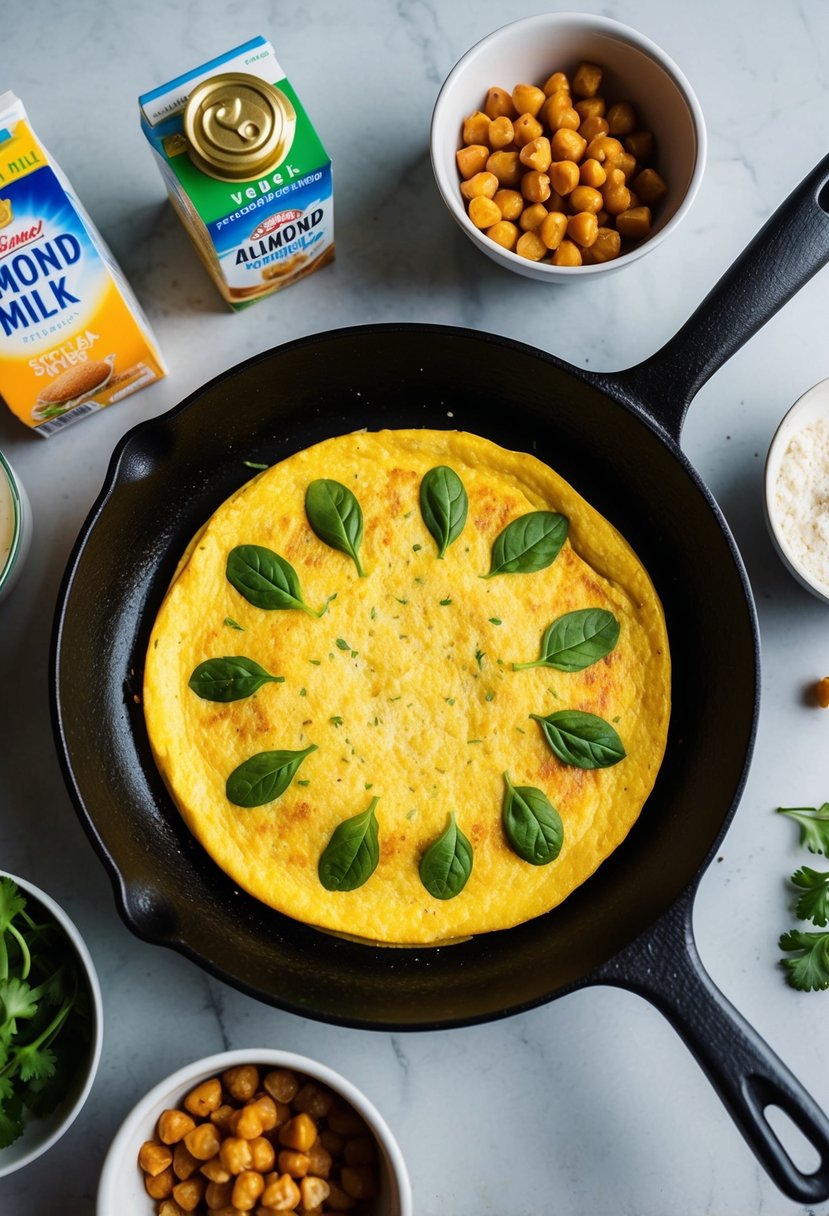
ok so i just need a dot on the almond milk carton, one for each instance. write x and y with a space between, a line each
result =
73 338
245 170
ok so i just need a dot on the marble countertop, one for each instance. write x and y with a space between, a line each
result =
592 1103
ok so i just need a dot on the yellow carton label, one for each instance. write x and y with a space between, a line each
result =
73 338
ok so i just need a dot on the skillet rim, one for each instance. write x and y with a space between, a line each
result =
612 385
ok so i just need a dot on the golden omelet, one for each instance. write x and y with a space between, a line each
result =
371 761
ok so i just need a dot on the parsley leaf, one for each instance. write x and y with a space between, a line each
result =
813 904
808 968
814 825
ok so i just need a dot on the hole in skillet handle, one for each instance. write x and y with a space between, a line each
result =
793 1141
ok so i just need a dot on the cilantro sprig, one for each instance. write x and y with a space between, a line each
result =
45 1023
814 825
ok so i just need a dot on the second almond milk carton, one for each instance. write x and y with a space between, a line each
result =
245 170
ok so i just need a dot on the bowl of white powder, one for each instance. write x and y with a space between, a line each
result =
797 490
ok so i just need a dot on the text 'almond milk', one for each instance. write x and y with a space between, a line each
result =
245 170
73 338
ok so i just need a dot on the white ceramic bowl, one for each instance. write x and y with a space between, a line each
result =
15 526
40 1134
808 409
121 1188
635 69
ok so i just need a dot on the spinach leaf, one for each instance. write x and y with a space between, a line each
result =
265 579
530 543
581 739
336 518
447 863
576 640
351 855
532 824
230 678
264 776
443 505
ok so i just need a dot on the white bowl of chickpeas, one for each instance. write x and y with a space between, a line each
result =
567 145
258 1131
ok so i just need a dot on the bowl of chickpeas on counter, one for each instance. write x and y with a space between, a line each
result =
258 1131
567 145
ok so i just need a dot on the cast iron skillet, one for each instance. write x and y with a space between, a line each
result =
615 437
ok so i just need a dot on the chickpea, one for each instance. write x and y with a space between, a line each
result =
615 193
505 234
203 1141
483 213
510 203
603 148
553 229
559 111
299 1133
359 1182
822 692
526 128
360 1150
246 1190
506 167
338 1200
585 198
567 254
587 80
650 187
169 1207
215 1170
564 176
184 1163
622 118
532 216
482 184
590 107
567 145
319 1160
528 99
236 1154
343 1119
188 1195
221 1117
498 104
475 131
605 248
312 1099
242 1082
471 160
591 173
263 1153
590 128
314 1192
535 186
173 1125
217 1194
583 228
154 1157
556 201
537 154
634 223
331 1140
626 163
205 1098
291 1162
160 1186
501 132
557 81
640 145
530 246
282 1195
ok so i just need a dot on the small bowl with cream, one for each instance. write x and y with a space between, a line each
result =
797 490
15 526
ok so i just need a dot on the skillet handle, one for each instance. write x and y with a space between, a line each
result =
791 247
664 967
